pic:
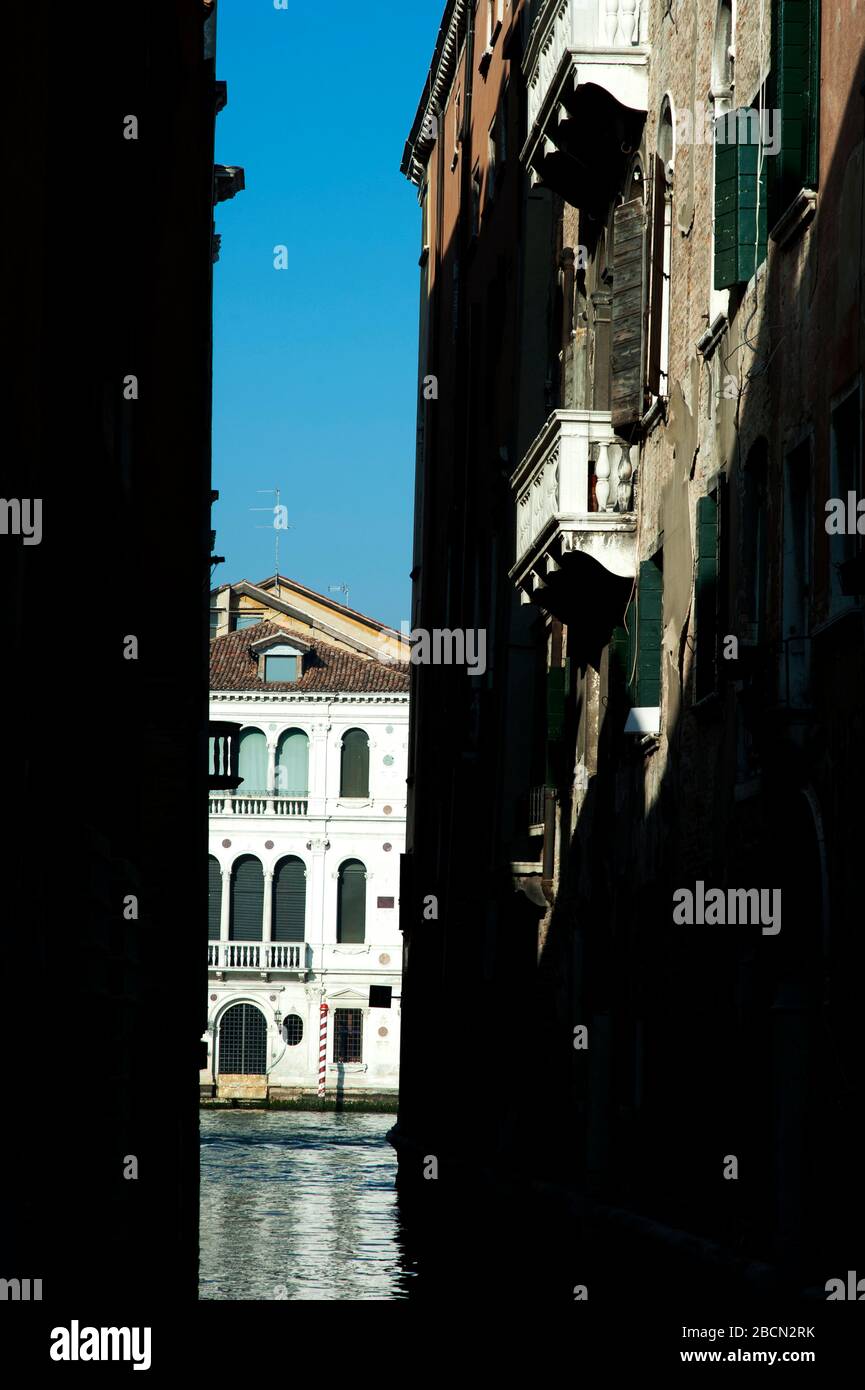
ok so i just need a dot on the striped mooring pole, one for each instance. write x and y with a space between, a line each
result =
322 1047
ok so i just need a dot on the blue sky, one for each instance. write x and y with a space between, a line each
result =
315 366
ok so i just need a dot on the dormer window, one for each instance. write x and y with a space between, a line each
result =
278 659
281 668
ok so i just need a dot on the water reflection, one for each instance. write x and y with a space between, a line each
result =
298 1205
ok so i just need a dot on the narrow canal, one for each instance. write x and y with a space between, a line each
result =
299 1205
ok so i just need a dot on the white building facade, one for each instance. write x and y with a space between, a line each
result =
304 870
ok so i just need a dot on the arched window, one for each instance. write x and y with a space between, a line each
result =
292 763
243 1041
252 761
292 1030
722 58
247 899
289 900
214 898
351 903
354 770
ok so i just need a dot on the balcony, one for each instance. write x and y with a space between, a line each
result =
272 957
574 493
255 957
586 68
259 804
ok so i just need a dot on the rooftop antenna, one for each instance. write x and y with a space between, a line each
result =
339 589
279 523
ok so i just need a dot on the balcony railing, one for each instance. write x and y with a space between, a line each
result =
574 491
255 955
304 956
260 804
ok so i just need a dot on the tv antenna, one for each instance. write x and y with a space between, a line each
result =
279 523
339 589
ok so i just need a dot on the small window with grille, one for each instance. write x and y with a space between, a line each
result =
292 1030
348 1035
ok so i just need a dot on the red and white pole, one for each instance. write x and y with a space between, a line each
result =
322 1048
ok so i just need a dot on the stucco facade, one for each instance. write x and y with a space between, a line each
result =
288 966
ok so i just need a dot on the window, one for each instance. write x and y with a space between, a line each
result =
289 900
795 662
476 201
280 668
214 621
351 903
662 252
347 1035
845 477
292 763
292 1030
723 58
628 359
243 1041
795 88
354 767
754 545
244 620
708 592
741 186
635 648
247 899
214 898
252 762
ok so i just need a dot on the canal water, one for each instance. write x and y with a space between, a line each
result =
299 1205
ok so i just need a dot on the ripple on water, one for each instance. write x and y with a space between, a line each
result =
298 1205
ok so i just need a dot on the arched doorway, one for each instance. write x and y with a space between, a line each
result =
242 1041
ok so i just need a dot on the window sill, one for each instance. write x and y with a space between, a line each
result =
347 1067
654 415
792 223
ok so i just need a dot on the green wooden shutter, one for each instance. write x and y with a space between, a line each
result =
650 627
738 194
354 780
621 657
706 596
247 900
796 93
627 360
351 903
214 898
289 901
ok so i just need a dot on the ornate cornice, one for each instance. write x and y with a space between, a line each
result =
345 697
442 68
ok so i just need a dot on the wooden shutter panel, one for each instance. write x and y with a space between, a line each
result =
650 624
706 596
247 900
627 361
737 198
351 904
355 764
214 898
656 307
289 901
796 30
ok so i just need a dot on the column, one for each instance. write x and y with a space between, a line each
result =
267 918
224 917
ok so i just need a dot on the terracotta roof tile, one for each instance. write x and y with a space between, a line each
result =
326 668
